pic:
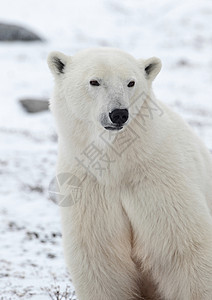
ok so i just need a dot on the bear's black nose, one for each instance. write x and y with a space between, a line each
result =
119 116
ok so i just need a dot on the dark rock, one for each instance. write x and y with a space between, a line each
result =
31 235
10 32
38 189
34 105
183 62
51 255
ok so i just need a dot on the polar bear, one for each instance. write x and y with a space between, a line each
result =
142 226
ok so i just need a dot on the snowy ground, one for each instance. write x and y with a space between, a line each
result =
177 31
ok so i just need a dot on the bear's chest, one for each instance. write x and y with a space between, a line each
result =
98 219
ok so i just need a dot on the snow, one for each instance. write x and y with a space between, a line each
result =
177 31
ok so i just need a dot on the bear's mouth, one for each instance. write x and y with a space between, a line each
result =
114 128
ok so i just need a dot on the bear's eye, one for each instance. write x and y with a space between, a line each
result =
94 83
131 83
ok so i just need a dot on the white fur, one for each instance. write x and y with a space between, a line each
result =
146 222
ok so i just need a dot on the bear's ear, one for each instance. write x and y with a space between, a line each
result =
152 67
57 62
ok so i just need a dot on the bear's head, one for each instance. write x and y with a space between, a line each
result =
102 87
